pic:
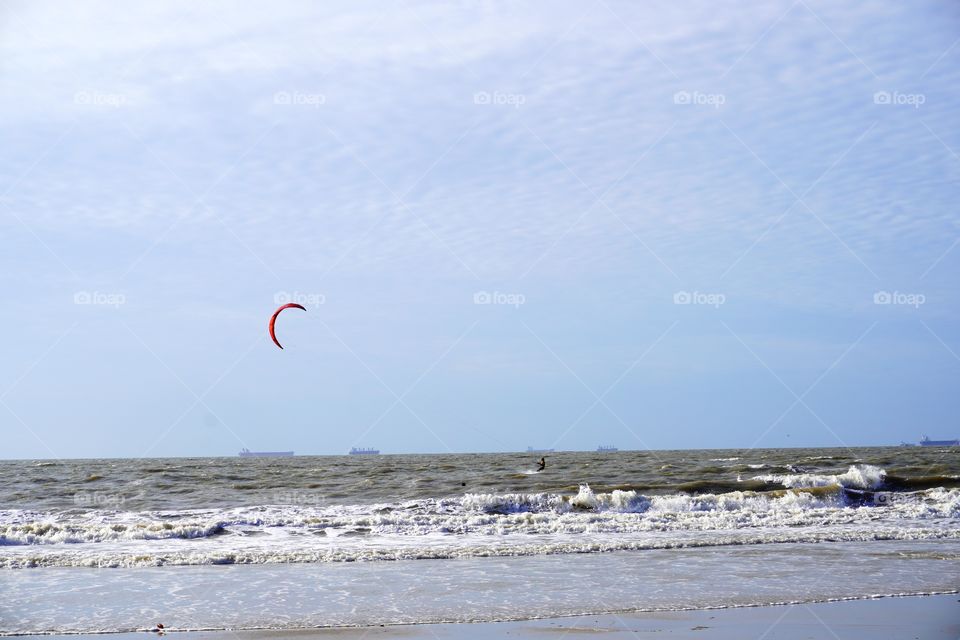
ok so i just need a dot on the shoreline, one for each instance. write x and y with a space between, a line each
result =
471 592
906 616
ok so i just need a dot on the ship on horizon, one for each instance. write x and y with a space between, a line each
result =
364 452
925 441
246 453
606 448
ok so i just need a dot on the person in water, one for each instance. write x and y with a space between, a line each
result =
542 464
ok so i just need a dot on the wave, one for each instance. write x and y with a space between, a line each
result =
618 511
862 503
780 468
586 523
294 553
898 483
46 532
856 477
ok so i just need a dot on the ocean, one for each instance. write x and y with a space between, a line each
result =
312 541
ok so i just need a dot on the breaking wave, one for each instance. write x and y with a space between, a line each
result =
478 524
786 504
856 477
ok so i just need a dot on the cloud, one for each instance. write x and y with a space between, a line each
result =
389 104
599 154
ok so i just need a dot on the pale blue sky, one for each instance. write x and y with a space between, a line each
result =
183 168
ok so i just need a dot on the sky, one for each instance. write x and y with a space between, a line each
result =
653 225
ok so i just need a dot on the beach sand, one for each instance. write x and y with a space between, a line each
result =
891 618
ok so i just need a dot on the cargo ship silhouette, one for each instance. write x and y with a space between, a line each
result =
246 453
925 441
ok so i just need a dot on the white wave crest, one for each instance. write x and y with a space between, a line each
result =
856 477
472 516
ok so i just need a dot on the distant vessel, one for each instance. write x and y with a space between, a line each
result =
246 453
606 448
364 452
532 450
925 441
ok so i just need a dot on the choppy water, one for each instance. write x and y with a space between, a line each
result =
121 513
243 543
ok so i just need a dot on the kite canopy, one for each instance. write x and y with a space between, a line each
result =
273 320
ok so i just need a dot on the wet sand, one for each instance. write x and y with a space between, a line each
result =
892 618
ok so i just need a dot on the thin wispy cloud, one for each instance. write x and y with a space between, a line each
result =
796 157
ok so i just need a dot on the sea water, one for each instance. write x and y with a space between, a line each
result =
112 545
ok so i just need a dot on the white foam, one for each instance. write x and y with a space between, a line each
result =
470 590
586 539
856 477
479 524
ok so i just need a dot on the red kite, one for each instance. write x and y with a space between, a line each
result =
273 320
